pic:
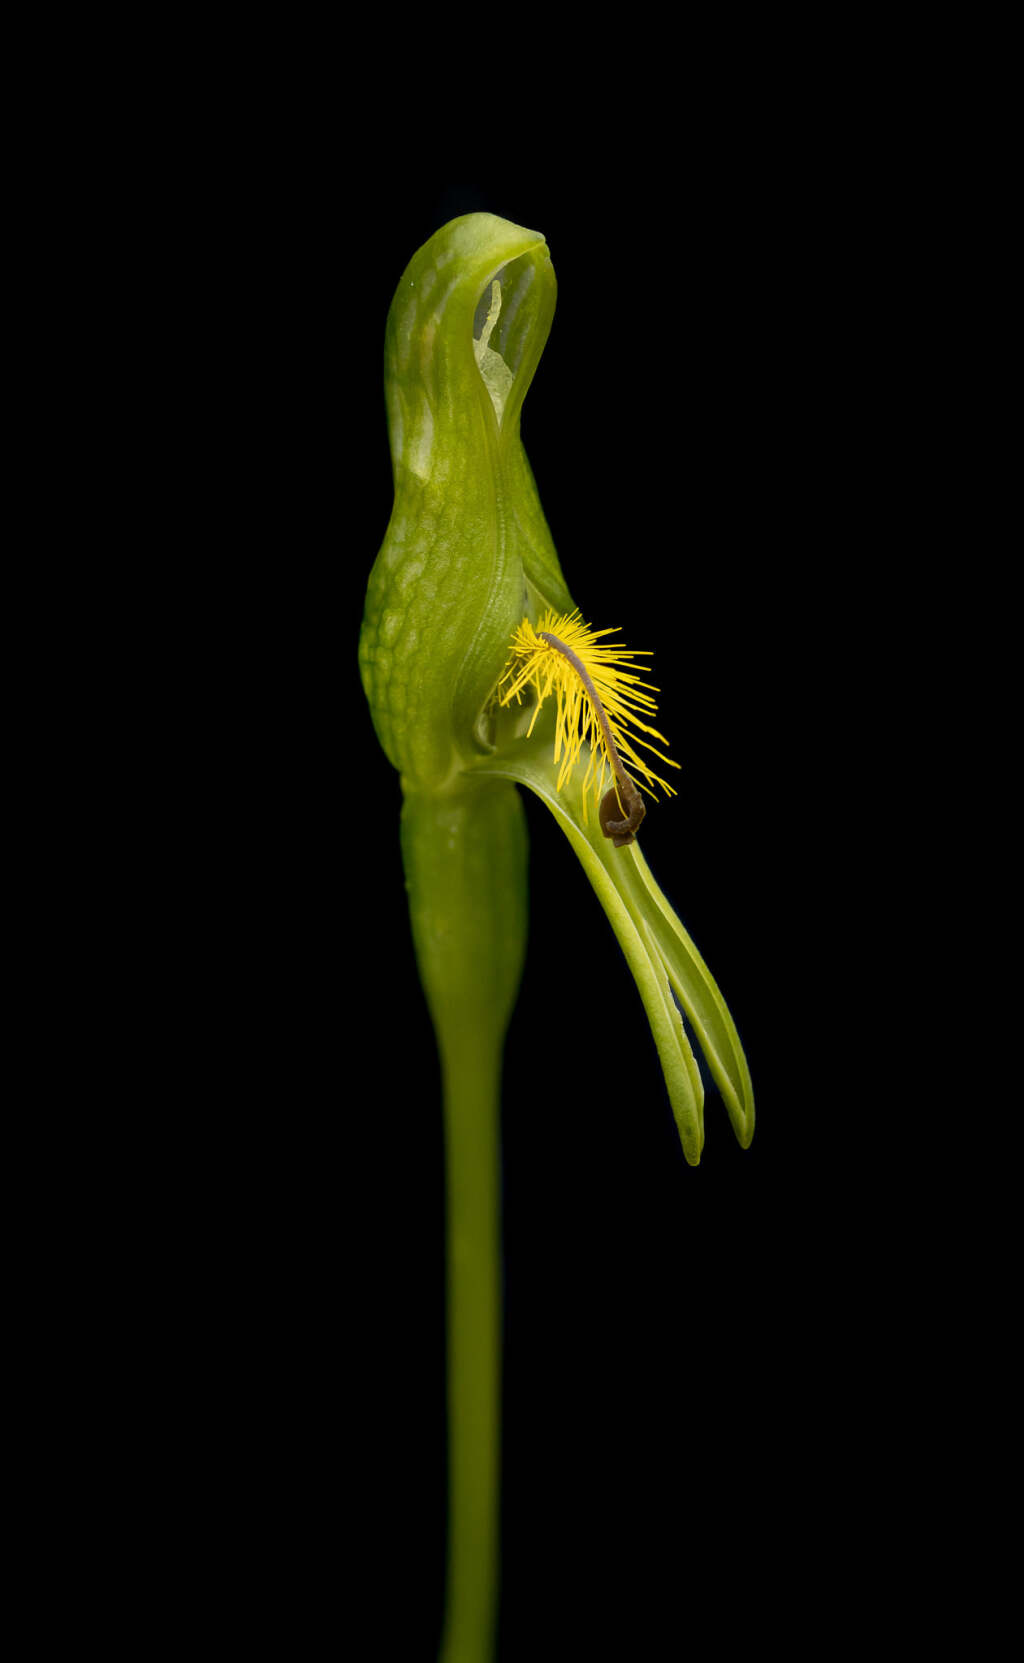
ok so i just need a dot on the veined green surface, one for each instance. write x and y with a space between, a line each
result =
467 540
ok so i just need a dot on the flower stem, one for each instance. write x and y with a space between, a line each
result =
474 1355
465 863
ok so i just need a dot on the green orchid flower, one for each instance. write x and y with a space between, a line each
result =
481 676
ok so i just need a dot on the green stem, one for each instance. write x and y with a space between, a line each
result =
465 864
474 1355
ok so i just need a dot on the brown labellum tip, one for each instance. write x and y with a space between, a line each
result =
622 832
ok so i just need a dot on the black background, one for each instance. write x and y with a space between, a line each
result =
721 1383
